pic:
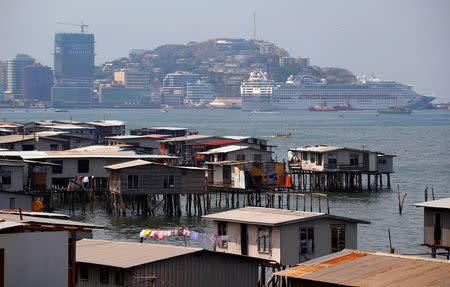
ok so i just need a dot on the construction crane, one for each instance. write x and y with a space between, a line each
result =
82 26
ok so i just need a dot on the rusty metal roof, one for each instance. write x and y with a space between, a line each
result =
439 203
126 254
272 216
47 221
361 268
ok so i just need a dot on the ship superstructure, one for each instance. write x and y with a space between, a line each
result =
257 92
302 92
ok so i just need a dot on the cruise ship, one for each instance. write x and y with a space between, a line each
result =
302 92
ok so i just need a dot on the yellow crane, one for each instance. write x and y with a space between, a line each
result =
82 26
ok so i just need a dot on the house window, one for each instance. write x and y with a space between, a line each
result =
337 237
28 147
240 157
332 162
319 159
222 230
306 240
57 169
12 203
104 276
313 157
133 181
264 240
304 156
120 277
257 157
354 159
382 160
84 271
6 178
168 181
53 147
83 166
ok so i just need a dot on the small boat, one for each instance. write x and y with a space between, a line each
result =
395 110
164 111
346 107
321 107
282 135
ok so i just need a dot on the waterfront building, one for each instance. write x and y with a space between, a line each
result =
285 236
436 227
146 142
256 92
14 73
364 268
38 81
71 96
121 95
39 141
170 131
132 78
115 263
199 93
106 128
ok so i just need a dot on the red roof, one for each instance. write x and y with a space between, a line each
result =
216 143
156 136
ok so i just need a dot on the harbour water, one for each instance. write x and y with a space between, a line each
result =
420 140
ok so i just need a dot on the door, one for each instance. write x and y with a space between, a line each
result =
226 175
244 239
437 229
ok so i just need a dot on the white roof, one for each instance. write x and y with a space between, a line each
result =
126 254
229 148
65 127
169 128
186 138
439 203
271 216
106 123
129 137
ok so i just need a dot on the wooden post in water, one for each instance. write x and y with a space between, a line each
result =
400 202
390 243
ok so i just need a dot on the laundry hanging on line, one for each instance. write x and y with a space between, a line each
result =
215 240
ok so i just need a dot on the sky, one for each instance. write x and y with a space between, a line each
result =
402 40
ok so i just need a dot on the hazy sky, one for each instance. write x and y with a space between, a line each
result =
407 41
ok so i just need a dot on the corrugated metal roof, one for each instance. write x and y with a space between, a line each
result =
361 268
169 128
439 203
126 254
226 149
36 220
186 138
107 123
9 224
216 143
138 162
156 136
272 216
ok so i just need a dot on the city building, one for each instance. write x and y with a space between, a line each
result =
14 73
132 78
120 95
2 76
71 96
74 69
74 59
302 61
37 82
199 93
180 79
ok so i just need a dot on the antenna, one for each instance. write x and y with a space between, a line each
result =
82 26
254 25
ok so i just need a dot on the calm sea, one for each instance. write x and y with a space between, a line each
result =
421 142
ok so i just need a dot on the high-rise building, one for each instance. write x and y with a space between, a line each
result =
199 93
180 79
37 82
74 59
14 73
74 69
2 76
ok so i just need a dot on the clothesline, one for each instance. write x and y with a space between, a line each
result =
215 240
